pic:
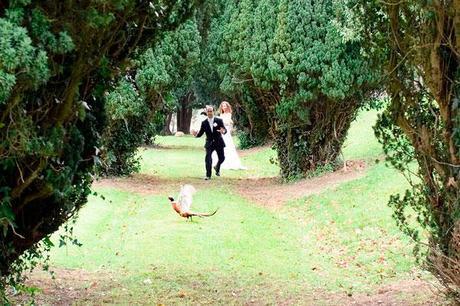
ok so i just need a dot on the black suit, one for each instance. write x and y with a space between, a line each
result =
214 141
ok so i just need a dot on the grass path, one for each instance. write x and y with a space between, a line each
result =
324 241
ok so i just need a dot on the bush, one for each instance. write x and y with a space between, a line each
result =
299 72
57 59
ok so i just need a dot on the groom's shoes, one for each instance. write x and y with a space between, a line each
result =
207 178
217 172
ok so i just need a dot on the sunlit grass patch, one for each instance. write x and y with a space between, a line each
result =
361 142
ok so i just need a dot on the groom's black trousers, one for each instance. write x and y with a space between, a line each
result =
208 160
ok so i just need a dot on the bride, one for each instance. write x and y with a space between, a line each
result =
232 160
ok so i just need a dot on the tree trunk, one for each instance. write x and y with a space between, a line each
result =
424 113
184 113
166 129
305 147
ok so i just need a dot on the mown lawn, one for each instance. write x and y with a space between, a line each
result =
342 241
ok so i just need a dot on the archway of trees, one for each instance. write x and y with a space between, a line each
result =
302 91
73 98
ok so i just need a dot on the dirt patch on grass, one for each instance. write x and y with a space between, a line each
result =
68 286
407 292
269 192
142 184
272 193
76 286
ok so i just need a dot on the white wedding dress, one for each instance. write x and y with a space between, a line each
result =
232 160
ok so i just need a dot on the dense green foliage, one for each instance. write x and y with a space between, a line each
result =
137 107
127 123
85 83
299 72
57 60
418 44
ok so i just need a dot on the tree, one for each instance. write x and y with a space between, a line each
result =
417 42
158 83
128 118
57 60
299 72
166 72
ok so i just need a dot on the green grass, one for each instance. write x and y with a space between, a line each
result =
186 141
342 240
361 142
350 231
183 158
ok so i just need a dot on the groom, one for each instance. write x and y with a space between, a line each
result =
214 128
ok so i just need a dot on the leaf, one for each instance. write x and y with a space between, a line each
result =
47 241
7 213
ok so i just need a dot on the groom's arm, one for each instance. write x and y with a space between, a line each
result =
201 131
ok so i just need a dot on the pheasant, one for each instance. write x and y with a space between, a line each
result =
184 202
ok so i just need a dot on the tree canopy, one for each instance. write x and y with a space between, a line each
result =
58 59
136 108
299 71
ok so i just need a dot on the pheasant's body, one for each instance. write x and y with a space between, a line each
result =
184 202
176 207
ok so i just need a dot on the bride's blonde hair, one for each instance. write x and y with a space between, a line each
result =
229 107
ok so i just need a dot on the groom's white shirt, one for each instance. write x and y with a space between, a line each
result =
211 122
